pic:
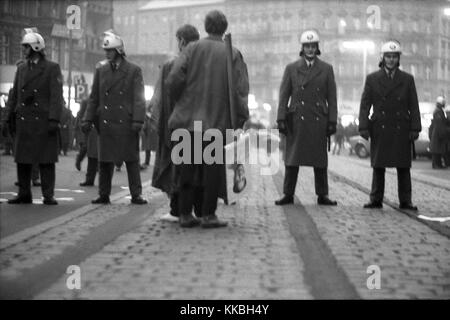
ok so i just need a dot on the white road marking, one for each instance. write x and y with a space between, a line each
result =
438 219
11 193
70 190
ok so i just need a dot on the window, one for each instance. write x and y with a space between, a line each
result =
415 26
386 26
357 23
428 27
428 49
428 73
5 54
414 47
125 20
400 26
132 20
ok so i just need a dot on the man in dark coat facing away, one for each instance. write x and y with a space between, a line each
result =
393 126
162 106
307 115
198 82
117 109
35 110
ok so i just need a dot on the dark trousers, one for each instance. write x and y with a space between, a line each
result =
92 168
436 160
174 204
320 180
403 182
147 157
106 170
24 173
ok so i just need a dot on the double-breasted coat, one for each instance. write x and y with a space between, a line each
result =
440 133
116 101
307 103
395 114
35 100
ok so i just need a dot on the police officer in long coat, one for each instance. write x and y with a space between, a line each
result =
393 126
35 107
308 119
439 134
117 109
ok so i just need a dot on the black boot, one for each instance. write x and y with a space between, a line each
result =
408 206
325 201
21 200
101 200
50 201
138 200
285 200
373 205
188 221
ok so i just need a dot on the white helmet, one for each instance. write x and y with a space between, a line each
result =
440 100
34 39
113 41
391 46
309 36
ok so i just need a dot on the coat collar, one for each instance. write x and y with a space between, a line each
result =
386 84
29 75
214 37
307 74
112 77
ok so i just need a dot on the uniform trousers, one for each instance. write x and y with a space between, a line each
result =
106 171
403 182
320 180
47 172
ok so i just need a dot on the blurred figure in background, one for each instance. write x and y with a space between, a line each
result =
339 137
65 129
439 134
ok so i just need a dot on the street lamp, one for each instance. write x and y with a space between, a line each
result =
360 45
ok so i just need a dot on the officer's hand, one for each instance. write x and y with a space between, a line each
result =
282 126
413 135
53 126
136 126
365 134
331 128
86 126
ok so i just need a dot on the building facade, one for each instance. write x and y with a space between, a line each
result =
49 17
351 32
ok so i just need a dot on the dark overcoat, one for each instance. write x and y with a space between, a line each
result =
440 133
35 100
307 103
198 82
116 101
395 114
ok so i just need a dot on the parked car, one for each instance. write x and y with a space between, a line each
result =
362 147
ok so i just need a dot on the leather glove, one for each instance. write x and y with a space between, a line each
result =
365 134
282 128
53 126
136 126
413 135
331 128
86 126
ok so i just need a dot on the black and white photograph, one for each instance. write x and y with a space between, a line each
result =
224 155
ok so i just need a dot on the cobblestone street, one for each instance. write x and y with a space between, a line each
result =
300 251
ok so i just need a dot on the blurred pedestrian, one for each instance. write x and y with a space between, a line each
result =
117 109
148 139
65 128
36 106
439 135
80 137
394 125
307 115
339 137
161 106
199 84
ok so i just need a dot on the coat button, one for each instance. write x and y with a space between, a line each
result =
120 107
22 118
382 127
22 104
303 118
317 118
106 107
120 92
104 121
36 104
120 121
382 112
303 88
106 93
35 90
318 89
23 90
317 104
37 118
303 103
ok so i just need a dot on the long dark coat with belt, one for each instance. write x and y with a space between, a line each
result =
395 114
440 133
35 100
312 96
116 101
